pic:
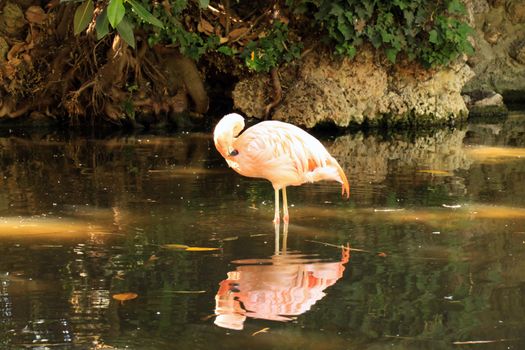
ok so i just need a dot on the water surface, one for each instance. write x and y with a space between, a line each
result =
428 252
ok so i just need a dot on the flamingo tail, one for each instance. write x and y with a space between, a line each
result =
345 186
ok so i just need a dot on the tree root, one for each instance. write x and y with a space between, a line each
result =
277 93
52 72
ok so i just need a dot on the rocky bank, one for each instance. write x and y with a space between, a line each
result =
370 91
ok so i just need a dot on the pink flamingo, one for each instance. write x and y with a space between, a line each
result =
279 152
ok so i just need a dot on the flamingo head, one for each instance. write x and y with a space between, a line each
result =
225 132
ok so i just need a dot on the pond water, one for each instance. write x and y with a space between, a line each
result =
101 245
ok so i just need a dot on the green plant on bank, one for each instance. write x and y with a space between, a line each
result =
271 50
432 32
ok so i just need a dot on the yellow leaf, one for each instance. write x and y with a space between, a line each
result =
125 296
264 330
435 172
175 246
200 249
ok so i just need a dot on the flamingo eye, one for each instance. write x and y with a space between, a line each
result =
234 152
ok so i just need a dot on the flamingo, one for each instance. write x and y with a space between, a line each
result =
276 151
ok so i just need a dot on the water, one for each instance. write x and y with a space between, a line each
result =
428 251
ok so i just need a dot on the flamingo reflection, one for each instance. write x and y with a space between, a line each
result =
278 289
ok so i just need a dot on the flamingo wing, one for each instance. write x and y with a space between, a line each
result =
286 155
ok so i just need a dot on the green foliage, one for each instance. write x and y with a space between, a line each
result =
116 14
271 50
432 32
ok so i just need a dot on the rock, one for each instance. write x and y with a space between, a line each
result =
515 10
517 50
496 3
499 58
486 105
36 15
4 49
479 6
12 19
493 99
359 91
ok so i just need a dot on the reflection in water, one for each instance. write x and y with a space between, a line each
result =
286 285
84 219
485 154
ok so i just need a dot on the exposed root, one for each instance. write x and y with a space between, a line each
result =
53 73
277 92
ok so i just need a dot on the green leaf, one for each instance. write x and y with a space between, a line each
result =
456 7
144 14
337 10
391 54
433 36
204 3
226 50
116 11
125 29
83 15
102 25
346 29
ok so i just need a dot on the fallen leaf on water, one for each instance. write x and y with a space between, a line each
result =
452 206
175 246
481 341
201 249
264 330
435 172
188 248
381 254
122 297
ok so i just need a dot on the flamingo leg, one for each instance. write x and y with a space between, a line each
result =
277 247
285 238
276 216
286 217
